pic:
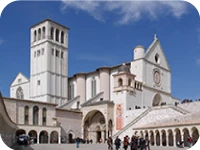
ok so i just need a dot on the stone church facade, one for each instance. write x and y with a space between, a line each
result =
126 99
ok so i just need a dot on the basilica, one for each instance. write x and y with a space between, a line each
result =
131 98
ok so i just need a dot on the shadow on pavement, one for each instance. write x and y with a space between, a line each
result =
21 147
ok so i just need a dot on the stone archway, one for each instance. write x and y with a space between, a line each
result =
70 138
185 135
43 137
178 135
54 137
170 138
20 132
33 134
157 100
195 135
152 138
164 139
94 126
157 138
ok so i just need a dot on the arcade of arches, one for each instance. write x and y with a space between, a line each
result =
40 137
96 127
169 137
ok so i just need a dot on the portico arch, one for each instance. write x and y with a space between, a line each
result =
43 137
152 137
178 135
54 137
170 138
195 135
94 125
164 140
185 135
33 135
20 132
157 138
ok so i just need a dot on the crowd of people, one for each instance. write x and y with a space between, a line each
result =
133 143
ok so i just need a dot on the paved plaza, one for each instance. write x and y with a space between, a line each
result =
82 147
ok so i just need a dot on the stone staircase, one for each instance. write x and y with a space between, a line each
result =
176 108
131 123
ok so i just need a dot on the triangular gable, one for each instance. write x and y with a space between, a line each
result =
23 78
156 48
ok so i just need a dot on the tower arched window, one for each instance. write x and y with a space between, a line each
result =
39 34
62 37
94 86
120 82
26 115
44 116
52 33
19 93
43 32
57 35
35 35
35 115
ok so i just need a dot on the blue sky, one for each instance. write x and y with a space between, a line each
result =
104 34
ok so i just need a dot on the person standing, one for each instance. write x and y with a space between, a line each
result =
126 142
117 143
110 143
77 142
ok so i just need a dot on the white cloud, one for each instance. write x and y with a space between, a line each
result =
128 11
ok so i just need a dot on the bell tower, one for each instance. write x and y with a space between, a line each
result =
49 62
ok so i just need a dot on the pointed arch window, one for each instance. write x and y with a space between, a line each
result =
93 90
26 115
44 116
120 82
35 115
19 93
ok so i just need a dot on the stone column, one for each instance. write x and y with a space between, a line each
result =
155 140
102 136
167 140
38 138
183 139
161 140
174 139
49 137
59 139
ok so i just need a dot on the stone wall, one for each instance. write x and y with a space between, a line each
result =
70 123
7 126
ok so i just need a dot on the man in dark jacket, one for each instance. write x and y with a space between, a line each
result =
117 143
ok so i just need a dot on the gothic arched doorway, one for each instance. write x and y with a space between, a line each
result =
94 126
70 138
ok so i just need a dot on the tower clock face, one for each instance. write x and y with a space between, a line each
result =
157 77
